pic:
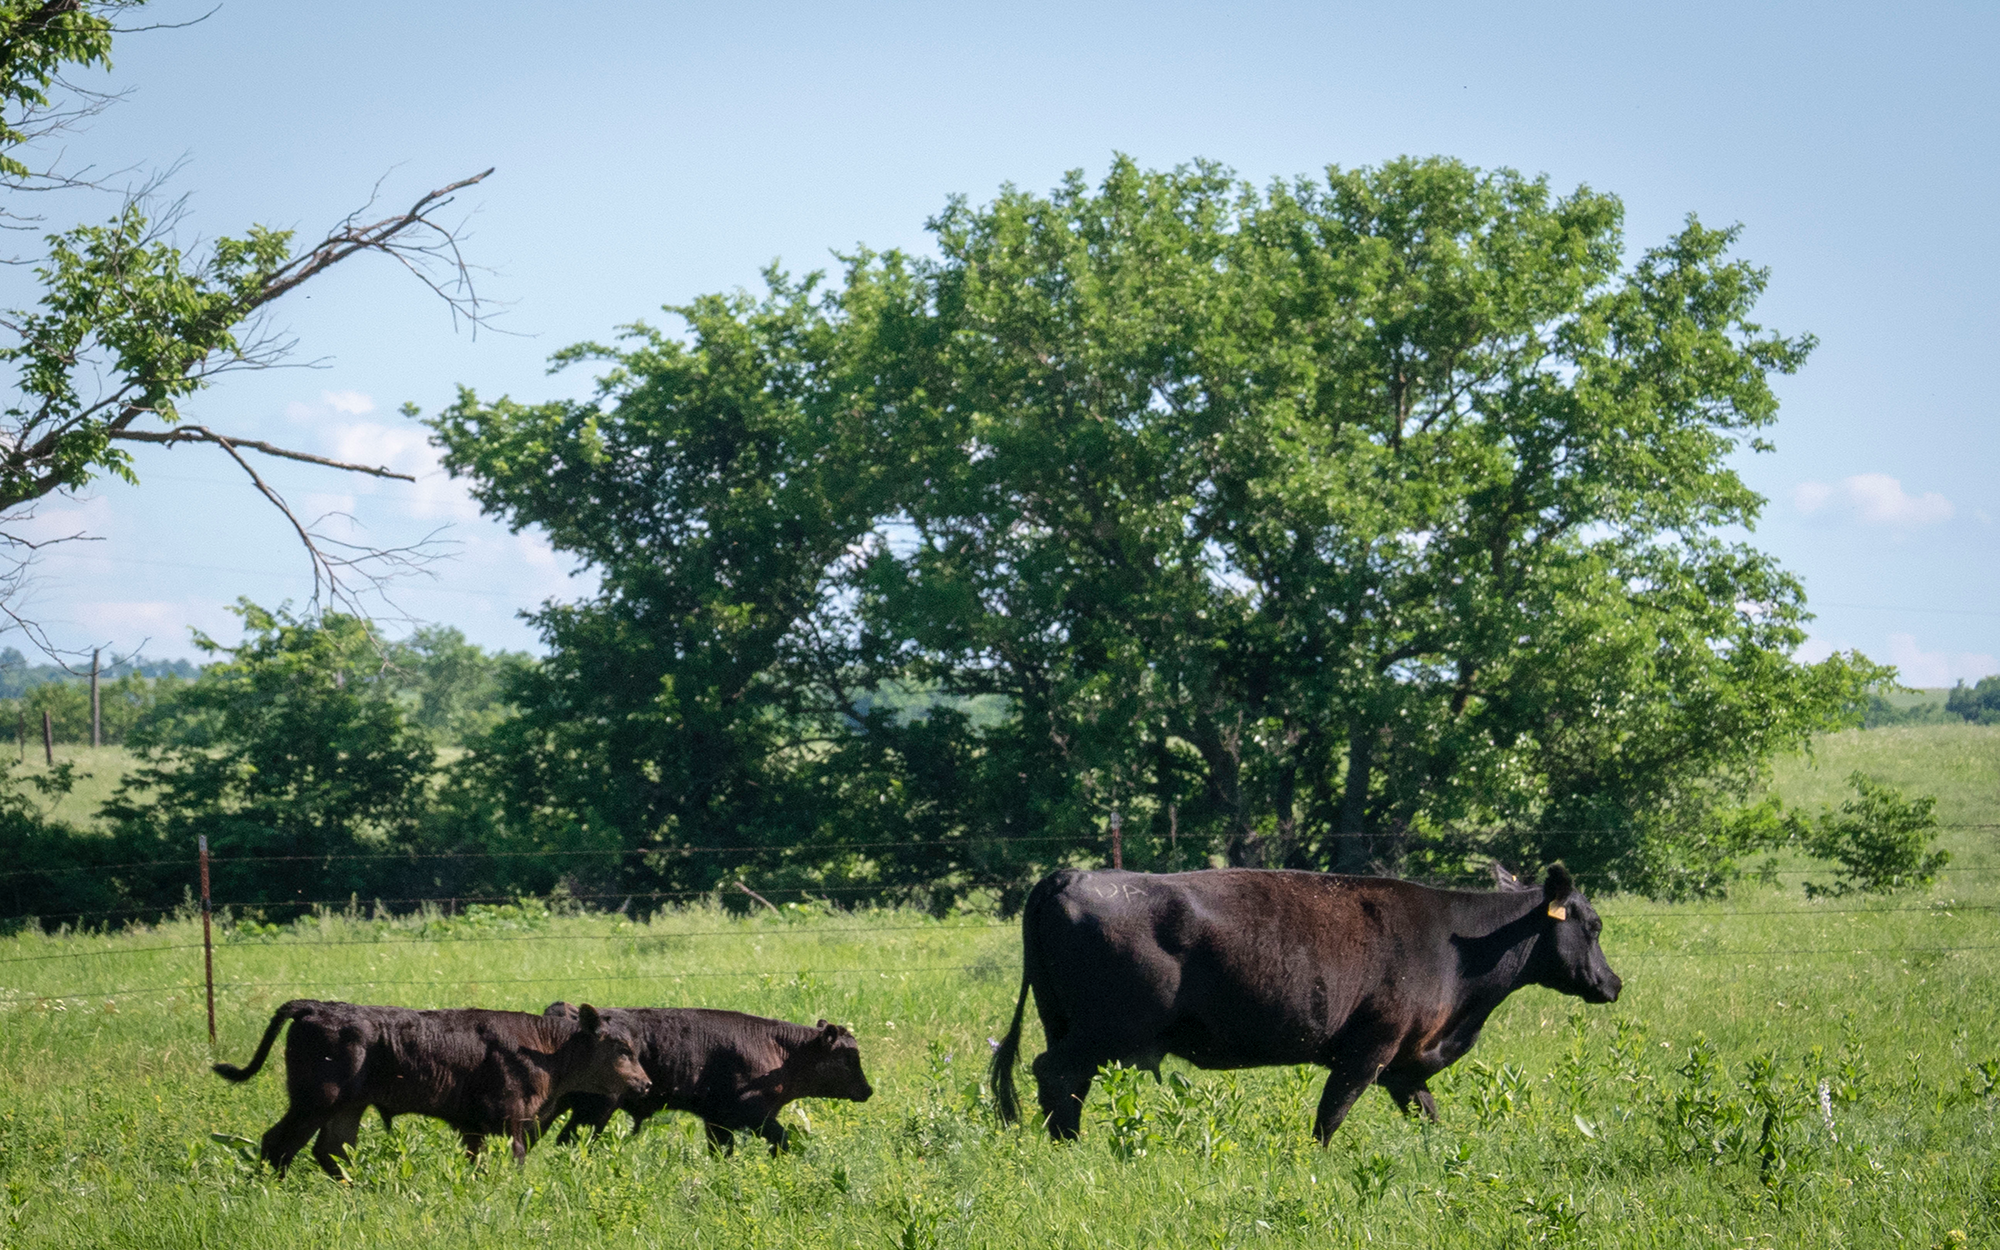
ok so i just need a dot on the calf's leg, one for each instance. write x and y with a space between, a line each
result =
336 1140
774 1133
720 1138
283 1140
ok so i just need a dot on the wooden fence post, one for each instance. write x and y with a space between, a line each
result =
1117 840
96 717
48 739
207 942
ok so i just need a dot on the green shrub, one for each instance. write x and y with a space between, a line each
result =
1880 839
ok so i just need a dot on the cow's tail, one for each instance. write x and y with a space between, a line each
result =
1009 1048
1003 1061
289 1011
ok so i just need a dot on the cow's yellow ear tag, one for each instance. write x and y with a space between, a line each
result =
1558 912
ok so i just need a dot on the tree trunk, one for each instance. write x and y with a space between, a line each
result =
1225 788
1352 845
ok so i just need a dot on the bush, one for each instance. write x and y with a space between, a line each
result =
293 755
1880 839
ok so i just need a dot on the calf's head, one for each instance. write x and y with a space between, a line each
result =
1566 955
828 1065
606 1054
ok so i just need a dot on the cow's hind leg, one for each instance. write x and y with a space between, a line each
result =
336 1140
1063 1074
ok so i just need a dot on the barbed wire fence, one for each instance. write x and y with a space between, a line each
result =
753 929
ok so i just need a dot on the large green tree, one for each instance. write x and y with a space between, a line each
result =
1377 520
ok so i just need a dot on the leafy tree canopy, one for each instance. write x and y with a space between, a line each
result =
1371 520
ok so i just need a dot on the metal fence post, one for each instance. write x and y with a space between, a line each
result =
207 942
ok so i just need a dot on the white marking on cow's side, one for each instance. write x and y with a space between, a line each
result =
1114 890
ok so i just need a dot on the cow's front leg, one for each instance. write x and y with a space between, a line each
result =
720 1138
1350 1077
775 1133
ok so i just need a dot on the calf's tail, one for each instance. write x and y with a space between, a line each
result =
289 1011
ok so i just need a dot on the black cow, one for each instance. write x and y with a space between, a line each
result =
1371 978
733 1070
479 1071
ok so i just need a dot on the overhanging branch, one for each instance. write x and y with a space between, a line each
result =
202 434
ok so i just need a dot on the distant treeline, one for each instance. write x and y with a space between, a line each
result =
1978 704
326 766
126 690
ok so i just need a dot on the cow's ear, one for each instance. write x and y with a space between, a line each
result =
588 1019
1504 879
829 1034
1556 889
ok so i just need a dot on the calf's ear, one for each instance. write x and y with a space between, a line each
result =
588 1019
1504 879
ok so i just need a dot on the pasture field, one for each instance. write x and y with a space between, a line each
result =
1777 1073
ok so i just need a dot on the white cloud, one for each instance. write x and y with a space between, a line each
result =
1813 650
1811 496
1917 667
1874 499
348 403
406 449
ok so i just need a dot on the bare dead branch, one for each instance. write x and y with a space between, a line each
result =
202 434
759 897
413 237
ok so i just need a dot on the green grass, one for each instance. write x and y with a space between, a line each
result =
1567 1125
98 770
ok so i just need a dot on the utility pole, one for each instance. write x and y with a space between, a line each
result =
96 709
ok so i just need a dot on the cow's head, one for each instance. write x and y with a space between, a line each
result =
606 1059
828 1065
1567 958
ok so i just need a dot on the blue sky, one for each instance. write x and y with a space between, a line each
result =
648 153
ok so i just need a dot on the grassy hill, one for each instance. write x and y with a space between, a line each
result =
1778 1073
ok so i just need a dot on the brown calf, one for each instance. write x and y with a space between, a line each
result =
479 1071
735 1071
